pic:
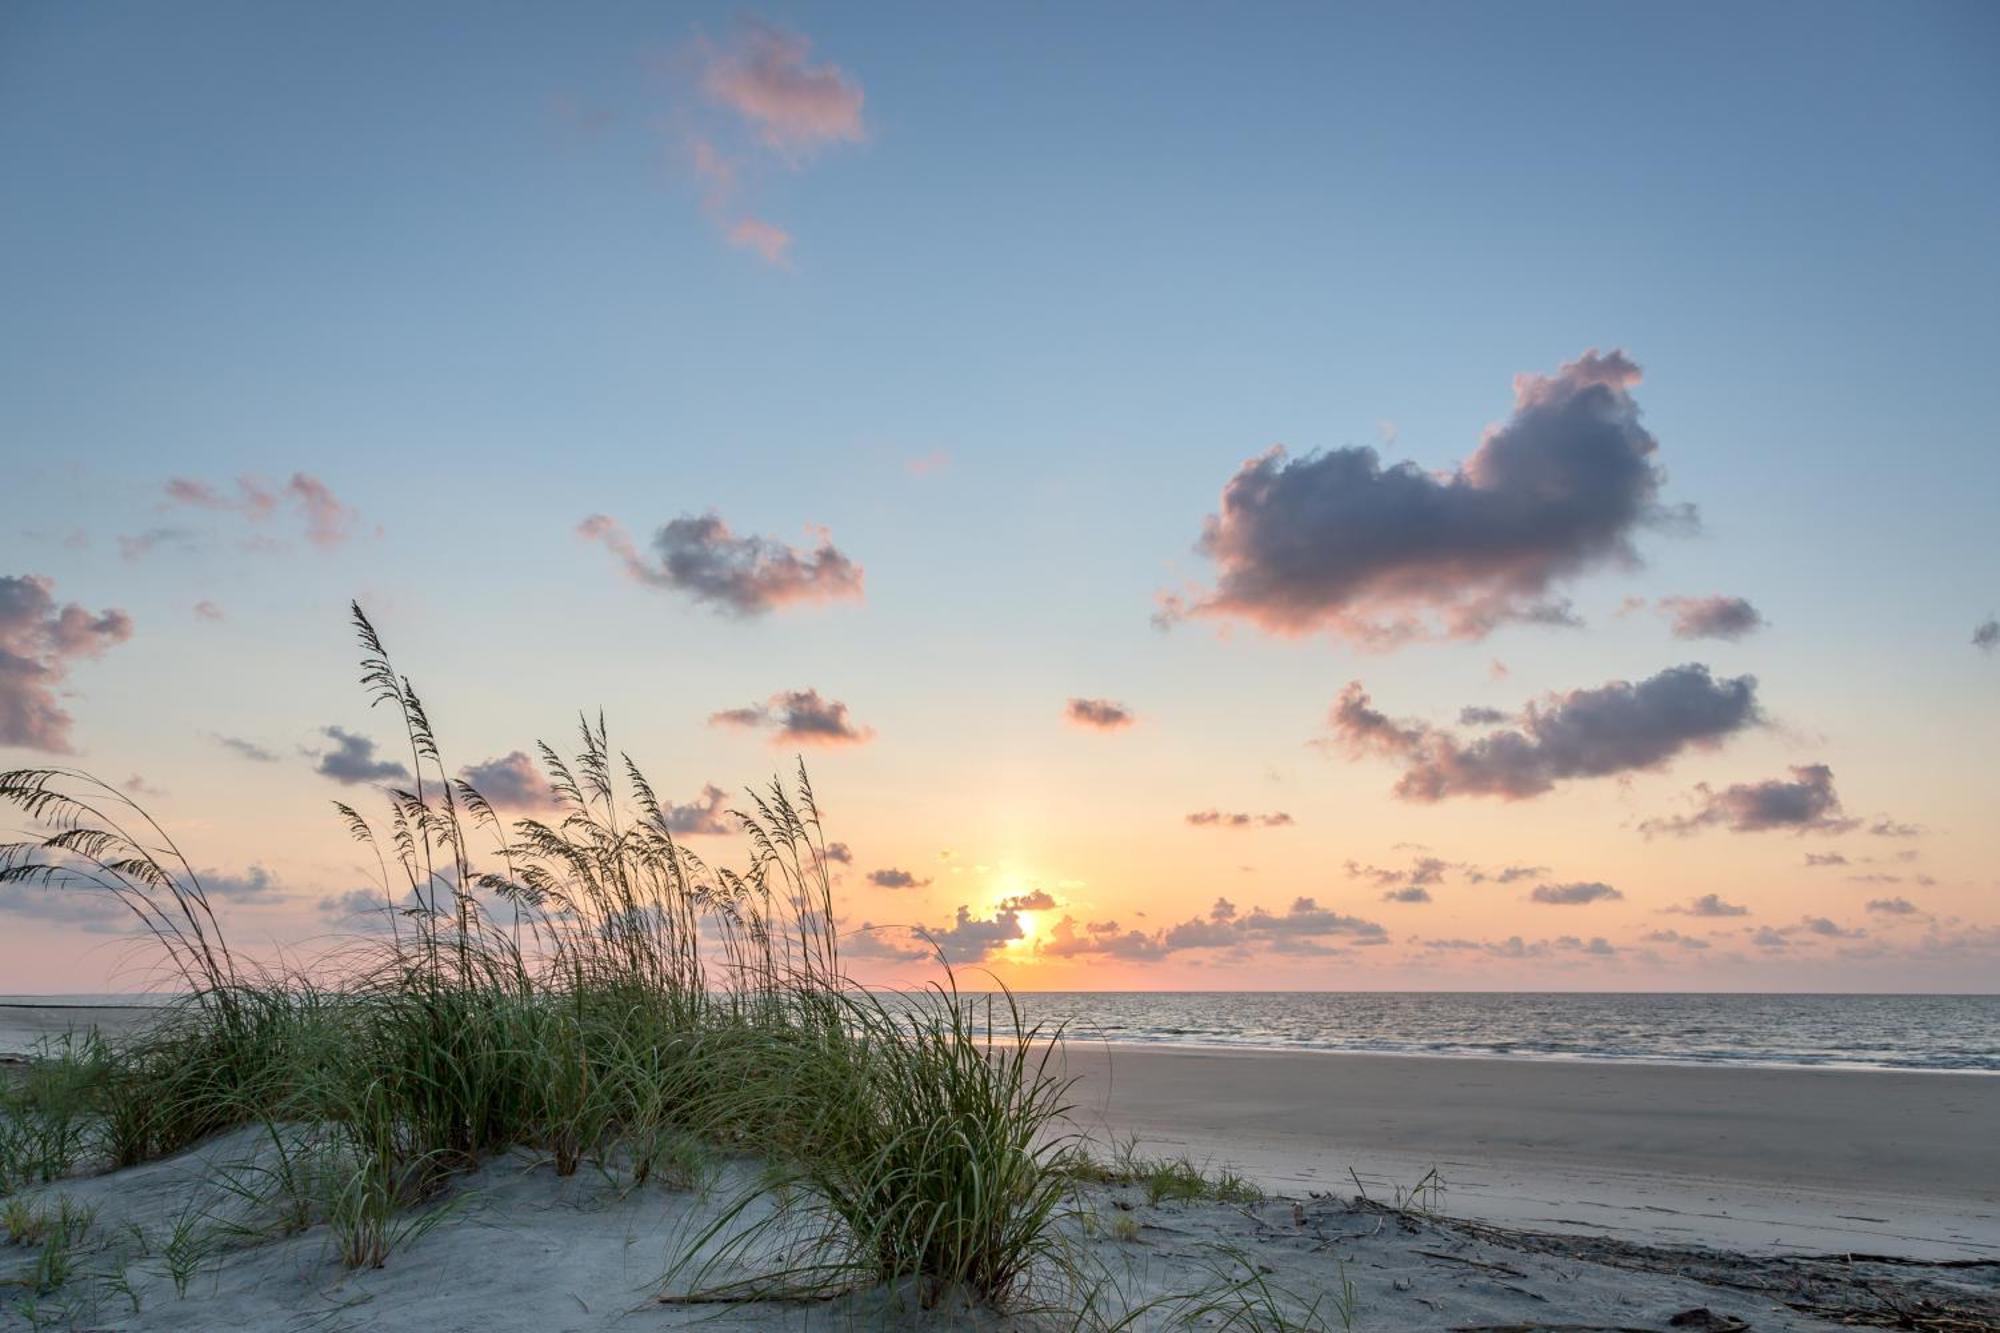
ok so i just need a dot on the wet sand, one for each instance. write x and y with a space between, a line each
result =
1770 1160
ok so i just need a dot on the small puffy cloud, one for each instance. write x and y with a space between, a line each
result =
1825 859
1897 906
1097 714
1335 541
1819 925
327 521
890 877
207 610
837 851
1675 938
511 782
247 749
766 75
254 883
39 643
1618 727
352 760
1574 895
1412 893
1238 819
1806 803
1714 617
698 555
1766 938
1889 828
798 717
138 786
1475 716
1034 900
1504 874
1708 904
1986 635
708 814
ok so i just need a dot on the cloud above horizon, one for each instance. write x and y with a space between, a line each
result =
1986 634
352 760
698 555
1805 804
39 643
707 814
770 103
327 521
1574 895
1618 727
1714 617
1238 819
893 878
510 782
1097 714
1333 541
800 717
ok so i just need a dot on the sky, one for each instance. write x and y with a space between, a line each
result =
1281 496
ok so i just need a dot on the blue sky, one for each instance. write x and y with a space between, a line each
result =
457 264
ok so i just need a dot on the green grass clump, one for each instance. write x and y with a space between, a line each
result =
578 984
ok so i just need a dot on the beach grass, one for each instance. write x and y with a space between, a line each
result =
579 984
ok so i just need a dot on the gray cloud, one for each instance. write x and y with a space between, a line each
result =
254 883
1708 904
247 749
1097 714
1300 929
968 939
138 546
1825 859
743 576
704 815
1675 938
1893 906
1414 893
76 906
1334 541
1805 804
511 782
837 851
801 717
1889 828
207 610
1714 617
1615 728
1034 900
352 759
893 878
39 642
1514 947
1472 716
1238 819
1573 895
1986 635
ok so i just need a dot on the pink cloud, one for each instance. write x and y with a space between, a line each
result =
328 521
767 241
38 644
765 75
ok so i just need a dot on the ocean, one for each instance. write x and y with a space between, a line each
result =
1910 1032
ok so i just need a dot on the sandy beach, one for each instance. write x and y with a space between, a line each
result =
1594 1196
1750 1158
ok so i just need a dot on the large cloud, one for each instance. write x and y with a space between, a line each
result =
1302 928
745 576
1334 541
1615 728
1805 804
39 642
801 717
